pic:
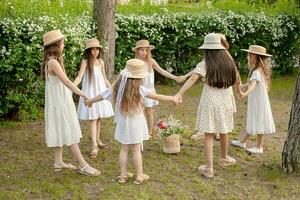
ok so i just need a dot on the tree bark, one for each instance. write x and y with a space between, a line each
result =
291 149
104 14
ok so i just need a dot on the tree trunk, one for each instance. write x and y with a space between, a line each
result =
104 14
291 149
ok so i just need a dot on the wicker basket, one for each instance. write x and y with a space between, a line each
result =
171 144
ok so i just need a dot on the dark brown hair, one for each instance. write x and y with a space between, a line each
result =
52 50
132 101
89 62
221 71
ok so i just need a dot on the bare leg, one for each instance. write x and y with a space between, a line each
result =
58 155
260 140
224 145
93 124
98 129
123 159
137 159
149 117
244 137
77 155
208 148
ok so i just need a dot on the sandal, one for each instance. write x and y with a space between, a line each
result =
89 171
124 178
58 167
140 181
101 144
94 152
227 162
208 173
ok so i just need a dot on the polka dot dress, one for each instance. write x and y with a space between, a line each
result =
216 107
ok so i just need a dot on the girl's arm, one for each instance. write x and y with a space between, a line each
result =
189 83
165 73
107 83
251 86
81 73
55 67
89 102
175 99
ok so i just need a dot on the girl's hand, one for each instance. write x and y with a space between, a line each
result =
88 103
242 95
177 100
85 97
180 79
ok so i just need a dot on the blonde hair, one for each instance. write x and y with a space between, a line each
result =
52 50
149 55
132 101
263 62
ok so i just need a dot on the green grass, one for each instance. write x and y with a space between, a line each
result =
26 163
55 8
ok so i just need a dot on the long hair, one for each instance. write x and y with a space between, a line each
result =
263 62
221 71
53 51
148 59
132 101
89 58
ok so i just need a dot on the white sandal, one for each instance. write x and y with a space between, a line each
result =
60 166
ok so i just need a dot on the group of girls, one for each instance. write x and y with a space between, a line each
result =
133 92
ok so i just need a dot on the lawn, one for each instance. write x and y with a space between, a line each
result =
26 163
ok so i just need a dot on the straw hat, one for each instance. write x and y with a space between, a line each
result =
212 41
136 68
93 42
256 49
223 40
52 36
142 44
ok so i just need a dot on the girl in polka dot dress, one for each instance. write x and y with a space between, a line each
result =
217 105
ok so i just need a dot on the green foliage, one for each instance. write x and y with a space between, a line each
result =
205 6
21 88
178 36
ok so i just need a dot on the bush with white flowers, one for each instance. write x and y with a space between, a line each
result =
176 38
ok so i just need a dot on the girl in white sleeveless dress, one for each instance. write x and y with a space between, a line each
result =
143 52
259 115
131 125
94 82
61 123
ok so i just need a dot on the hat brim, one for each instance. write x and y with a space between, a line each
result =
94 46
212 46
254 52
53 41
150 46
142 75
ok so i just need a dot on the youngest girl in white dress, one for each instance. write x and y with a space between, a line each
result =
259 115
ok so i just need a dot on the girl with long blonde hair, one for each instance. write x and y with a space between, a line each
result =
259 115
143 52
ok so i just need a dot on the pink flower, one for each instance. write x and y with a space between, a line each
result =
162 124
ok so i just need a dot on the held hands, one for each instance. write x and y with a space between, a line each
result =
242 95
180 79
177 99
88 103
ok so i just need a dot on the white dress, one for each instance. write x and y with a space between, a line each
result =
101 109
216 107
149 84
61 123
259 114
130 129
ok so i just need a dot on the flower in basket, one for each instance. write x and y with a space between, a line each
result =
170 126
